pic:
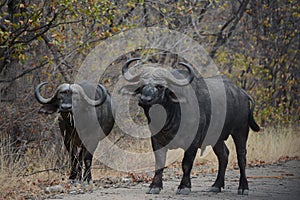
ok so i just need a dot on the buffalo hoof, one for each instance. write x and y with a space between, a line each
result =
86 183
155 190
74 182
184 191
243 192
214 189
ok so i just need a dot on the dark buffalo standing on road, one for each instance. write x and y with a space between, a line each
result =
152 86
72 99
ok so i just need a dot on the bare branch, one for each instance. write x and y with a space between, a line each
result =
222 38
42 171
200 17
56 57
24 73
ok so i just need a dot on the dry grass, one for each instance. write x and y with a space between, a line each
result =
23 175
265 147
268 146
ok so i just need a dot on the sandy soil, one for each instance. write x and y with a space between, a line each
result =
277 181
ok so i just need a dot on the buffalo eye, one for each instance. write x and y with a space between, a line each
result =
173 96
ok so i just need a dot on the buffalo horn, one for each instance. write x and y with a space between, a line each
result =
191 76
39 97
128 76
185 81
98 102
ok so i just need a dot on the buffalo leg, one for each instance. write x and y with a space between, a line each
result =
88 157
240 140
187 164
66 129
74 164
222 153
160 160
80 164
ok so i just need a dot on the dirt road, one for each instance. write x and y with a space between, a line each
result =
277 181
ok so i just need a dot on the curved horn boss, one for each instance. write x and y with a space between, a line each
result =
98 102
184 81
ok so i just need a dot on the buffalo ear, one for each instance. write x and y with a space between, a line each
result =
48 109
129 90
176 99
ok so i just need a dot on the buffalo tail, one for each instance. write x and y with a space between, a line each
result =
253 125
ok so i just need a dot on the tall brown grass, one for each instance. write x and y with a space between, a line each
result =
265 147
23 174
26 176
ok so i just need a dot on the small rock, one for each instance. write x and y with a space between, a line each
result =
54 189
81 191
126 180
73 192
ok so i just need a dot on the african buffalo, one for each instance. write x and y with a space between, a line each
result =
71 99
161 88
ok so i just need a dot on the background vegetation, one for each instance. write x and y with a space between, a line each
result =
255 43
